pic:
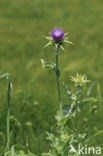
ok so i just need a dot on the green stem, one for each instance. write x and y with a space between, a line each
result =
8 114
58 81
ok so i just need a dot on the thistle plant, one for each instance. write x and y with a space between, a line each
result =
61 142
57 39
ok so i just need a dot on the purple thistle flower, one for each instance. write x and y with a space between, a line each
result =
57 34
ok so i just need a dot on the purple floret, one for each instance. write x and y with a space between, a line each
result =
57 34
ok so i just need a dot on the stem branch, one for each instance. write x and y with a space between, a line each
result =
58 81
8 114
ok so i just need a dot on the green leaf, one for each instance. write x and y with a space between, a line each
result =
47 64
69 94
62 47
90 88
48 38
12 151
20 147
82 136
62 120
49 43
86 100
67 41
5 75
66 109
66 118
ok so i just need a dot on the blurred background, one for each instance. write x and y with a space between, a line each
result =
23 25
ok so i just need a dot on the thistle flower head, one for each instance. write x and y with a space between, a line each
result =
57 37
57 34
80 80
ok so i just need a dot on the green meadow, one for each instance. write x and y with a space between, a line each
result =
34 99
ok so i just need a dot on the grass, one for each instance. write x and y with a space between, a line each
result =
23 25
